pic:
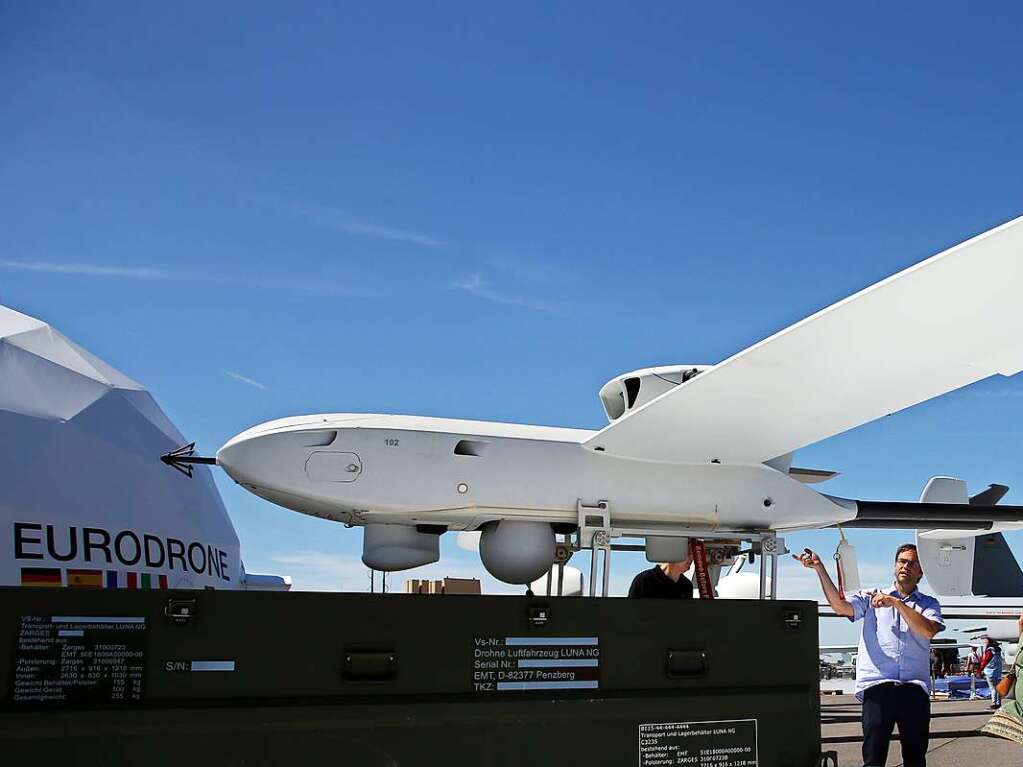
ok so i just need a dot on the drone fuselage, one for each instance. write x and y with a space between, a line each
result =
366 469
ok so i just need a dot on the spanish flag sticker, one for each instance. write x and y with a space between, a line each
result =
85 579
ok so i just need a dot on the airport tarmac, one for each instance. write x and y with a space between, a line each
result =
956 739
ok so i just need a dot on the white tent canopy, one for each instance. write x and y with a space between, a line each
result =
83 495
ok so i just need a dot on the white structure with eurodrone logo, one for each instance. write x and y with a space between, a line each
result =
84 498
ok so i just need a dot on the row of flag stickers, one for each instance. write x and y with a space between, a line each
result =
91 579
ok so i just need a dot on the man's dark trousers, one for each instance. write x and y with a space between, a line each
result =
890 704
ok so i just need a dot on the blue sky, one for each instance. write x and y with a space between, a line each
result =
260 210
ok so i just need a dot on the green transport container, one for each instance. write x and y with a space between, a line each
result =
190 678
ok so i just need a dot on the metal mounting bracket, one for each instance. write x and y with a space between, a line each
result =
595 534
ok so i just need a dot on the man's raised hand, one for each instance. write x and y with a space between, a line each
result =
808 559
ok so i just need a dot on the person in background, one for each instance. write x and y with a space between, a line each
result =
1007 721
893 677
973 663
949 661
664 581
991 667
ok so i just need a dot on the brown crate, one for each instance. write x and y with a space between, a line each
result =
416 586
461 586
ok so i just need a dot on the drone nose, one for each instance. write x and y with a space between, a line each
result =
247 459
286 461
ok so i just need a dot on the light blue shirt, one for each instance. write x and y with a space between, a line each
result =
889 650
994 666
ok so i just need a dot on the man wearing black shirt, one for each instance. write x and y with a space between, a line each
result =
664 581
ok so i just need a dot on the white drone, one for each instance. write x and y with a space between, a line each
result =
690 450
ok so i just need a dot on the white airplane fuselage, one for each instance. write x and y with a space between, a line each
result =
361 469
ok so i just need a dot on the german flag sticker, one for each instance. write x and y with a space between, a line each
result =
85 579
41 576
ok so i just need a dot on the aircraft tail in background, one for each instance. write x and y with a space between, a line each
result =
967 562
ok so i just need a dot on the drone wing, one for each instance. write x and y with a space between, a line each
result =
944 323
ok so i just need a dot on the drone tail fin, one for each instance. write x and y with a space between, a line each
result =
963 562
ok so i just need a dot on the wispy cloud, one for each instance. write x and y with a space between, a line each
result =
319 571
477 285
90 270
278 283
274 283
529 266
244 379
343 221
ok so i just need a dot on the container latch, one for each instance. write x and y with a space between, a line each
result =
180 610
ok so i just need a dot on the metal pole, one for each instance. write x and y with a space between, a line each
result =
567 540
550 580
774 576
593 568
607 570
763 574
